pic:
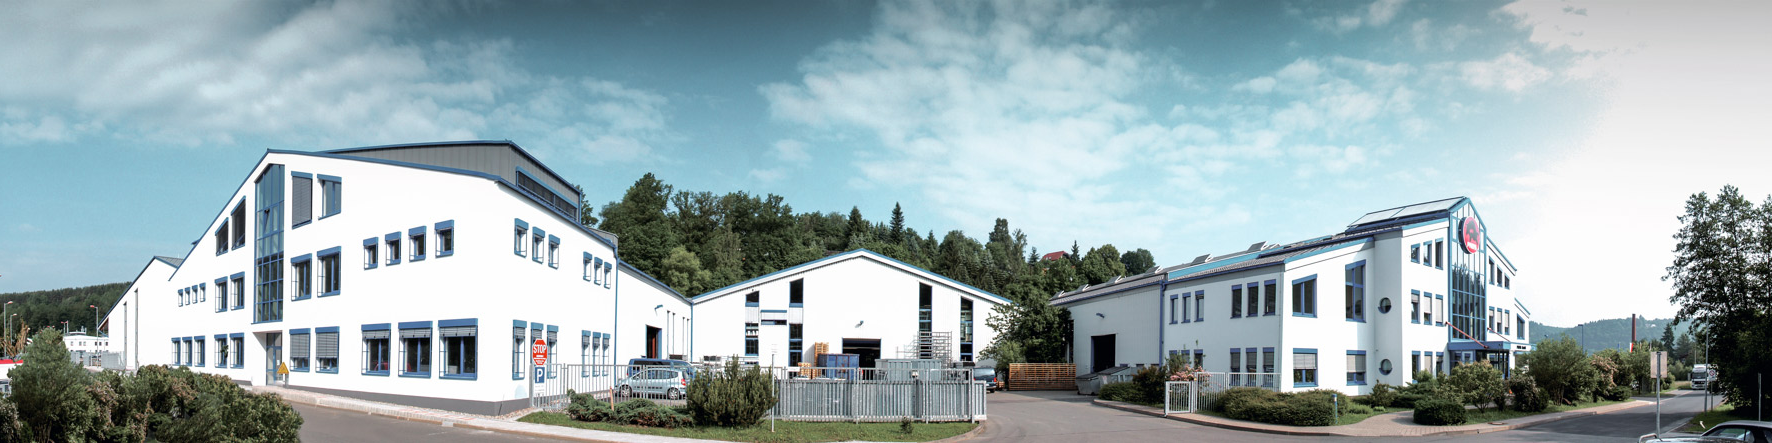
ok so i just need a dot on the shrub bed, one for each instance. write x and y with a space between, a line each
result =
1122 391
638 412
1311 408
1437 411
734 396
1528 397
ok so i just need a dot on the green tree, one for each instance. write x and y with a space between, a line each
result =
1102 265
1560 366
897 230
50 391
1722 258
1138 261
856 231
682 271
1478 384
587 216
639 220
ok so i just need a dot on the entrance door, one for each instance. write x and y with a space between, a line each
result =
273 357
1101 352
652 342
866 350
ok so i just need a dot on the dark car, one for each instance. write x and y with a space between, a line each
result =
1731 431
988 376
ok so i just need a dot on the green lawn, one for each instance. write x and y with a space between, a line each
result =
785 431
1714 416
1490 414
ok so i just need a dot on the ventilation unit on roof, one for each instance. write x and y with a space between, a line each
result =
1200 259
1256 247
1153 270
1081 288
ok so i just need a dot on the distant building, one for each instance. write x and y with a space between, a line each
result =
1417 288
1058 255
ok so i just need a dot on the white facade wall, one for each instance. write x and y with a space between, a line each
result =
1218 333
855 295
646 303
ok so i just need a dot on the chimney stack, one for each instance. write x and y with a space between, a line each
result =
1633 333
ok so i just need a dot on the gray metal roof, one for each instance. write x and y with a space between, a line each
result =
1406 211
175 262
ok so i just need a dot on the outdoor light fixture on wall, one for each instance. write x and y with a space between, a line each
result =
858 324
1098 314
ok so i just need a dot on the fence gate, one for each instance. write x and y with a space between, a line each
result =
1180 397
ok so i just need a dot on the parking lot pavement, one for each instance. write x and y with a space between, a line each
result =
1054 416
337 425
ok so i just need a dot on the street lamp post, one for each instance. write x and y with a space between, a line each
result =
8 322
95 319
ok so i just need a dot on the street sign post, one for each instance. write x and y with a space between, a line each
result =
538 352
1658 369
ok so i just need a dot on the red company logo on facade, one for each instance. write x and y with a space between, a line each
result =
1471 234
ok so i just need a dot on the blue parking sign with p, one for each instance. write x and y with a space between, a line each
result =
540 374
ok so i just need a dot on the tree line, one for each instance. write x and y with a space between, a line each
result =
697 241
49 308
1722 281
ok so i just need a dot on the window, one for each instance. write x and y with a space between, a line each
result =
1520 328
1304 297
965 329
1414 363
750 300
592 264
239 349
221 350
1254 299
1273 298
607 266
1181 299
750 339
1236 370
518 241
300 277
1415 253
1356 367
221 238
239 224
1174 308
517 348
376 350
301 199
797 293
1236 301
1439 253
1199 305
925 311
326 349
445 238
585 349
554 252
1304 367
371 256
239 291
181 297
460 340
331 189
177 348
416 236
1200 359
535 237
330 275
392 239
1384 305
201 352
553 337
1415 306
1267 367
1356 291
1439 363
1384 366
797 332
415 349
298 349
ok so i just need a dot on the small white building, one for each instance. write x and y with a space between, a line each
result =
391 273
858 302
1419 287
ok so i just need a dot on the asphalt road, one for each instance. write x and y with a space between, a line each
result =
1625 425
333 425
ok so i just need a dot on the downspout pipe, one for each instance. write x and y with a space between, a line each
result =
1162 292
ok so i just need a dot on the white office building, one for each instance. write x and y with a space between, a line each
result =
1419 287
415 274
857 302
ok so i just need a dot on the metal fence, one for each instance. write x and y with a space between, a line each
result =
837 394
1203 392
112 361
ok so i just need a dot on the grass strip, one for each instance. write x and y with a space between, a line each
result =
785 431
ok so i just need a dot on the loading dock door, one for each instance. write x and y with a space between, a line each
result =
866 350
1101 352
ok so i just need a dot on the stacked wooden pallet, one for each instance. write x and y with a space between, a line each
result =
1042 376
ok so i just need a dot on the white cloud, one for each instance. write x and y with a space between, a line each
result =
1685 114
326 74
791 151
770 175
1509 71
1429 36
1376 14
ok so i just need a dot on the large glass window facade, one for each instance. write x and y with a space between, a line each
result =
1468 298
268 247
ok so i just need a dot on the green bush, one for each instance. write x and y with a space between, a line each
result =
1122 391
1561 367
1437 411
737 396
1615 393
1150 381
638 412
1478 384
1528 397
1234 395
1382 395
1357 408
9 425
1254 404
1327 397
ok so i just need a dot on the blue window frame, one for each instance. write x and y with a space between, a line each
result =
554 252
536 236
371 253
1304 297
1355 299
301 273
445 238
416 239
521 239
1304 367
301 199
1236 367
239 284
331 272
177 352
221 351
1440 254
299 349
1272 288
332 193
326 350
584 353
415 349
1251 365
221 237
588 260
1356 368
461 344
1236 301
1415 306
607 266
1440 302
1415 253
1267 367
181 297
553 338
518 347
1174 308
237 341
1199 305
392 240
202 350
376 349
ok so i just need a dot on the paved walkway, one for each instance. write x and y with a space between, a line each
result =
505 424
1395 424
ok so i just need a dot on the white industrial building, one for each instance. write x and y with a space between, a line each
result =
858 302
1420 287
392 273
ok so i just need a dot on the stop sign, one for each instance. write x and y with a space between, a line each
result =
539 352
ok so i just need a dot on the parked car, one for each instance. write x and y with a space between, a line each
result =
988 376
636 364
1730 431
671 383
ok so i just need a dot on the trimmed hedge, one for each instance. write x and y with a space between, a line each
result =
1311 408
1122 391
1439 411
638 412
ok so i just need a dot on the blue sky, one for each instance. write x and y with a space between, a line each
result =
1181 127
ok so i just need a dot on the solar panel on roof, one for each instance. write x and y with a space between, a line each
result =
1376 216
1427 207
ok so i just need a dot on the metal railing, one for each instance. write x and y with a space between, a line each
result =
837 394
1203 392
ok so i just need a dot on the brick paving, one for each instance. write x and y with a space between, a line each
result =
1395 424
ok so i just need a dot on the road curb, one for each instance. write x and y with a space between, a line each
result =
966 436
1301 431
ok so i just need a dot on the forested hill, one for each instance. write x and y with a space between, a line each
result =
52 307
1608 333
699 241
